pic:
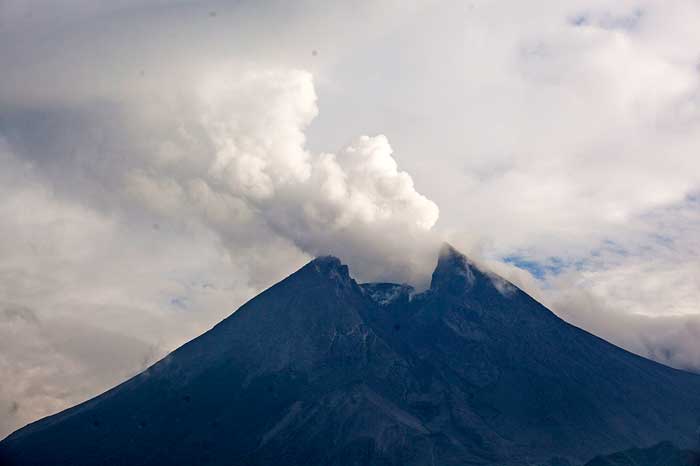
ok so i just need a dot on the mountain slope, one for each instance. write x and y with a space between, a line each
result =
536 382
320 370
662 454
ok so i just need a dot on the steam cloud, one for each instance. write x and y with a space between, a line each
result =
255 169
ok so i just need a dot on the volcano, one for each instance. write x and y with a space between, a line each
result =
321 370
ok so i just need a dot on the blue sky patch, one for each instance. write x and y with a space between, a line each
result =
552 266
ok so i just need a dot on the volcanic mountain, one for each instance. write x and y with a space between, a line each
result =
321 370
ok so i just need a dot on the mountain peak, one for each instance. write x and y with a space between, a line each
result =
327 261
454 272
320 370
331 267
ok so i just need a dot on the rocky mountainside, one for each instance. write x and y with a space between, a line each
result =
662 454
320 370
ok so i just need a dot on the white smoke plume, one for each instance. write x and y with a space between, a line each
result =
242 144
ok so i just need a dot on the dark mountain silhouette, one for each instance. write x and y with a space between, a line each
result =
319 370
662 454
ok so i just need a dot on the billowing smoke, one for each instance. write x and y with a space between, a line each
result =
243 146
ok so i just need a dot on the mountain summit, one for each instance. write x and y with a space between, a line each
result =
321 370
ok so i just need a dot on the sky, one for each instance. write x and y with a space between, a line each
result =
162 162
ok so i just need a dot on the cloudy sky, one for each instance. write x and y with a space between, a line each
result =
162 162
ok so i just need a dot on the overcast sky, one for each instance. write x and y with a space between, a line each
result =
162 162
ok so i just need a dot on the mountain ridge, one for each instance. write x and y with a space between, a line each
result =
319 369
